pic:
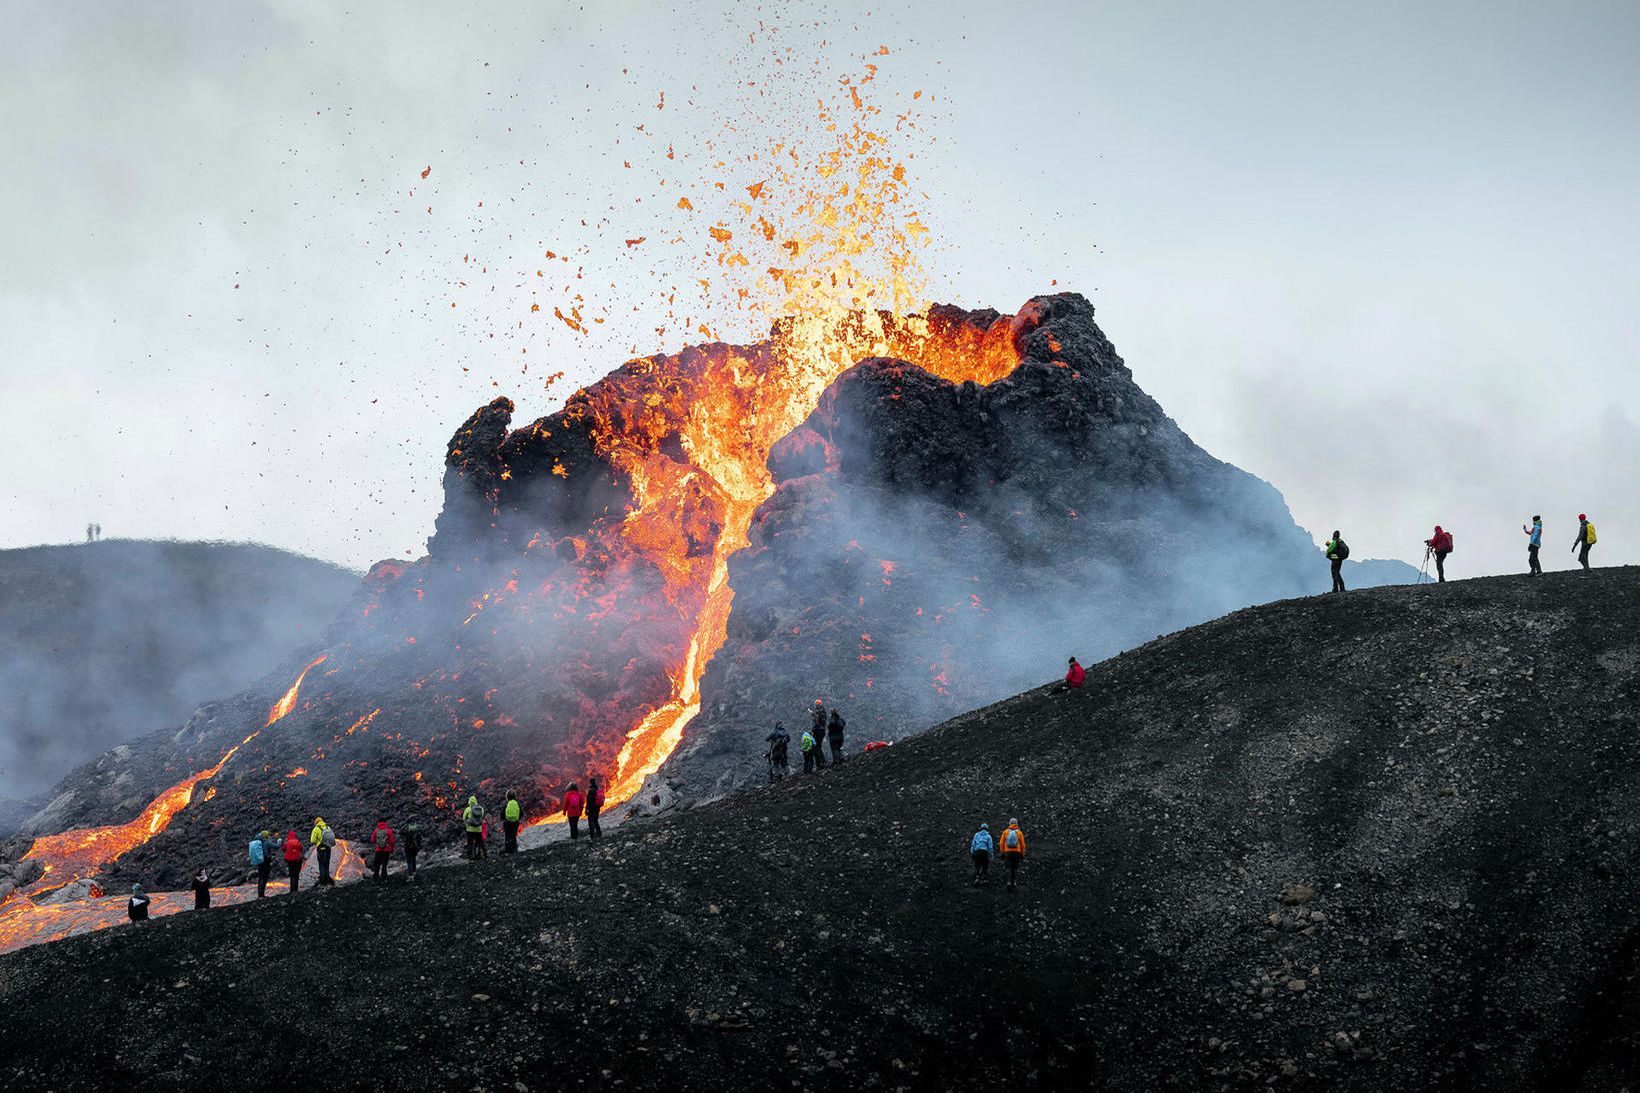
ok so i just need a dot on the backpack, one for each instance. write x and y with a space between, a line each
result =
1341 549
327 837
258 856
381 838
1590 538
478 814
1449 547
411 840
1010 838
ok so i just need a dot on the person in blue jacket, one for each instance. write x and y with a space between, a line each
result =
1534 541
980 849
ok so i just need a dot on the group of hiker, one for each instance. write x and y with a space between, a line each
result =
266 849
1439 546
823 729
1011 850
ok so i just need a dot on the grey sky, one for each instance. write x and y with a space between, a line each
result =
1382 255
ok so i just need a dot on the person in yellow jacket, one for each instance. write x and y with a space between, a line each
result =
1012 847
472 818
510 816
322 839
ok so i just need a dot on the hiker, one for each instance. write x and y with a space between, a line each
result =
834 732
323 840
980 848
807 746
817 718
1534 540
484 839
138 907
202 890
261 855
510 815
778 741
293 859
1337 551
1585 539
381 841
573 803
472 818
1074 675
1440 545
1013 850
412 846
595 805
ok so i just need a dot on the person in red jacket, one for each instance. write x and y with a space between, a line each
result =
1440 544
595 805
1074 675
573 803
293 859
382 842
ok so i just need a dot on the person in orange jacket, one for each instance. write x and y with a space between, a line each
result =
573 803
1012 847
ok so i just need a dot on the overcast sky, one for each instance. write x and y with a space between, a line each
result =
1382 255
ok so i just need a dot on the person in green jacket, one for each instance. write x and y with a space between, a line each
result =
472 818
1337 551
509 822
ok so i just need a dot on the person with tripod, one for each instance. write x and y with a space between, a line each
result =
1585 539
1534 540
778 741
1440 545
1337 551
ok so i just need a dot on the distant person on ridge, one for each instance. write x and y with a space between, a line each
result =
1534 540
817 719
382 842
834 733
1440 545
510 815
980 848
323 841
779 742
1337 551
137 908
261 855
595 805
412 846
1585 539
293 859
808 746
1013 851
1075 676
573 803
472 818
202 890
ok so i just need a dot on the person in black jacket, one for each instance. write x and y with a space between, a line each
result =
138 907
202 890
818 731
1337 551
1584 541
779 742
410 839
834 730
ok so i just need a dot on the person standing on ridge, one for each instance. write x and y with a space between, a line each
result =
323 840
137 908
1585 539
202 890
595 805
382 842
817 718
472 818
293 859
980 848
510 815
779 742
1440 545
1013 851
1534 540
1337 551
808 745
412 846
573 803
834 733
261 855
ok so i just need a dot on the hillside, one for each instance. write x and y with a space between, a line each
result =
1375 841
103 642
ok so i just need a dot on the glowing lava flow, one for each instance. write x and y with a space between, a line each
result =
73 855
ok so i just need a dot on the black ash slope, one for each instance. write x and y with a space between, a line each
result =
1438 779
